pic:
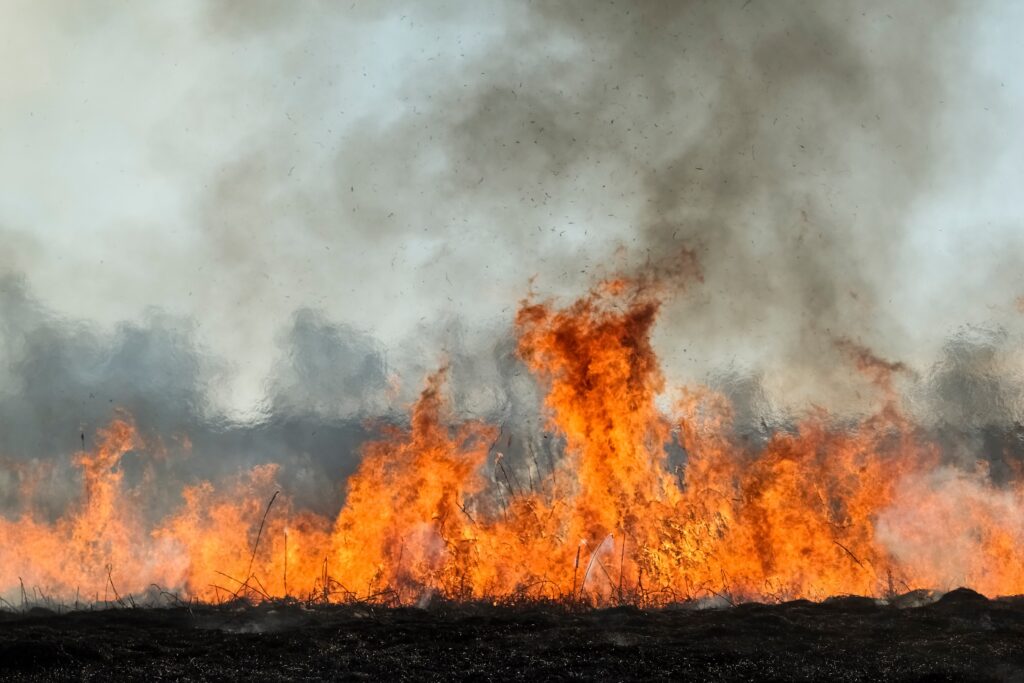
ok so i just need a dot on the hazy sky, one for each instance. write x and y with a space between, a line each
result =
231 163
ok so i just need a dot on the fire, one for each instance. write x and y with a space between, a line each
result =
404 525
73 558
825 506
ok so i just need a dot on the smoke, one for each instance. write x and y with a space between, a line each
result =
790 144
787 143
65 380
943 519
304 210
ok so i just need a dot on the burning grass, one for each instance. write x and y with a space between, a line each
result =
435 510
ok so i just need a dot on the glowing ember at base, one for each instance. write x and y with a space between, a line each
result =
825 507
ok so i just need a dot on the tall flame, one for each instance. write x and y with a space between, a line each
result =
825 507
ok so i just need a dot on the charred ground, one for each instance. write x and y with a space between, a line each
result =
960 636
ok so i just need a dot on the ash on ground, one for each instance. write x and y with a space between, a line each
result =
960 636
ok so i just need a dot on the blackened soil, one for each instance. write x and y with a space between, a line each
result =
962 636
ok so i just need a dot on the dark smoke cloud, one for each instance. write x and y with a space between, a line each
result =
65 380
328 370
786 142
973 398
327 395
795 175
397 164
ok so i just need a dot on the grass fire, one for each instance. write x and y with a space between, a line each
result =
657 339
821 507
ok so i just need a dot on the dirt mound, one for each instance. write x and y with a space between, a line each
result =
962 596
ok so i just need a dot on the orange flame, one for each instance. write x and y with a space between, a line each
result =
824 507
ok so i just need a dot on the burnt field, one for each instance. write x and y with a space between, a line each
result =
961 636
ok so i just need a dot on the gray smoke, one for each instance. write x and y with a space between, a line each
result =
788 143
332 200
66 380
329 392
